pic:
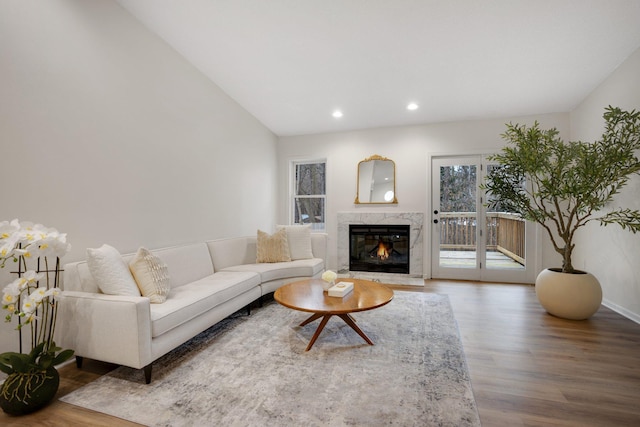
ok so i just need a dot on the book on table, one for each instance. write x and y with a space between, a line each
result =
340 289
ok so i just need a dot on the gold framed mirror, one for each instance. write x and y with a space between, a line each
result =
376 181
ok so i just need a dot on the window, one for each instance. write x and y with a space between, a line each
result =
308 201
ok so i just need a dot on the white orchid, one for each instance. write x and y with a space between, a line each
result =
20 284
9 229
29 317
9 237
37 295
6 249
29 306
10 297
12 291
27 252
54 245
53 292
13 288
34 291
32 276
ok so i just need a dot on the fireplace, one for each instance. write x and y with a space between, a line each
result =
379 248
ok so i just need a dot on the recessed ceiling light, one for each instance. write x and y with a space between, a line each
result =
412 106
337 114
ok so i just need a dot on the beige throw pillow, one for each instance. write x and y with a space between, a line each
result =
272 248
299 238
110 271
151 275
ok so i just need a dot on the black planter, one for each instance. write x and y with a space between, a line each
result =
25 393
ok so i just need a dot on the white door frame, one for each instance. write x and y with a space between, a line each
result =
480 273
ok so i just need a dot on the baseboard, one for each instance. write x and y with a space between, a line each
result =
621 310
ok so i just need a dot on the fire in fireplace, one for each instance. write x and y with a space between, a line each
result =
379 248
382 251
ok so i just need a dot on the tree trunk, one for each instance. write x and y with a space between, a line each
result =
567 266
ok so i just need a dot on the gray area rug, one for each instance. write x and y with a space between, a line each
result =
254 371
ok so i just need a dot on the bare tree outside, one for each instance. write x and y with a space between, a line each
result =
310 193
458 188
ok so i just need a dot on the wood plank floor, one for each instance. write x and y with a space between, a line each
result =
527 367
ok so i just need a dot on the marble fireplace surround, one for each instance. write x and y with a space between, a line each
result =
414 219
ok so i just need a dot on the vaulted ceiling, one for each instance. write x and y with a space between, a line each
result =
292 63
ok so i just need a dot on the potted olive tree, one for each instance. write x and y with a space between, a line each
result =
563 186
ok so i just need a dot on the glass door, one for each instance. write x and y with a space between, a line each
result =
468 242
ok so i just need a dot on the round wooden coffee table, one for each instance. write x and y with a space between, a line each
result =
308 295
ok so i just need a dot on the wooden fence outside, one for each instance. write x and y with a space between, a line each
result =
504 232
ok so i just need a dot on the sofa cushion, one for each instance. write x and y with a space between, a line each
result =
272 248
188 301
187 263
151 274
232 251
299 239
282 270
110 272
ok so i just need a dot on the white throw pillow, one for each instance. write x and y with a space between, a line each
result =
299 238
110 271
272 248
151 274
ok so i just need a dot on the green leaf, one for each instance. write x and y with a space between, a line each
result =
5 362
46 360
7 369
20 362
63 357
36 351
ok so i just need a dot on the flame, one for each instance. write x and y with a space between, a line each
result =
383 253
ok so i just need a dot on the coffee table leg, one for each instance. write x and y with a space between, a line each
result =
311 319
321 326
349 321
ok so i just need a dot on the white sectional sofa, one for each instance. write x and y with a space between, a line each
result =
209 281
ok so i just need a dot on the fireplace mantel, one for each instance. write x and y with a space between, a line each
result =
413 219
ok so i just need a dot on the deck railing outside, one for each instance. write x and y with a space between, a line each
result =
505 232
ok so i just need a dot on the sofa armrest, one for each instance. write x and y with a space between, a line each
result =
115 329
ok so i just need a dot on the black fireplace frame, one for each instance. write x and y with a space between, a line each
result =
400 265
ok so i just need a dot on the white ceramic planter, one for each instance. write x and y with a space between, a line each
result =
570 296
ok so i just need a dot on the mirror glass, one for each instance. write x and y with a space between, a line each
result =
376 181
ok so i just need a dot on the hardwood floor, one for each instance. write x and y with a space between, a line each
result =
527 368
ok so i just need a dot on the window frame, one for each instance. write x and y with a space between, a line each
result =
293 196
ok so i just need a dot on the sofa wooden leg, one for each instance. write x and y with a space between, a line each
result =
147 373
79 360
249 309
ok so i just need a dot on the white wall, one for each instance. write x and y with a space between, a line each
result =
409 147
109 135
610 253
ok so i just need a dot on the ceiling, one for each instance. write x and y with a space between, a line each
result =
291 63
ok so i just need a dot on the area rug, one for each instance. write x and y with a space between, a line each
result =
254 371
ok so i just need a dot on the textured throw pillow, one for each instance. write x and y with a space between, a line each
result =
110 271
151 275
299 238
272 248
